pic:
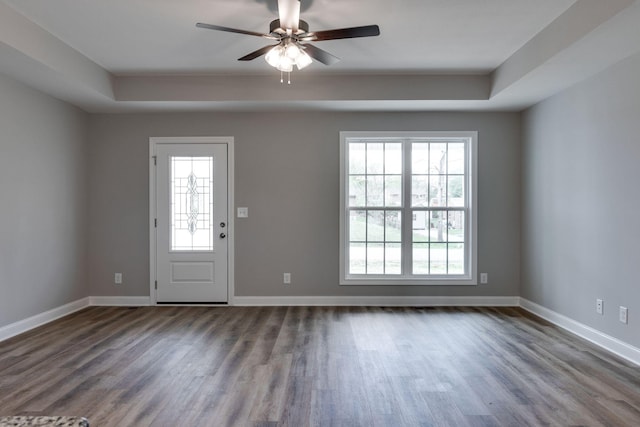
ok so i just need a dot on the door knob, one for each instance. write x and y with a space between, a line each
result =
222 235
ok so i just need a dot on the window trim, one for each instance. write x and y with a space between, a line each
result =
471 219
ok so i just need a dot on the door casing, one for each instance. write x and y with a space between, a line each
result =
153 143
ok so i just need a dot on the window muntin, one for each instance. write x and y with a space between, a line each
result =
437 198
375 190
407 211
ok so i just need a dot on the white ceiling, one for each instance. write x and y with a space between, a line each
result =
139 36
132 55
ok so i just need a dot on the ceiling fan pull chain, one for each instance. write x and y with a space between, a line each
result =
289 78
281 76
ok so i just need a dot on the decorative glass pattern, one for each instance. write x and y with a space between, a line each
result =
191 203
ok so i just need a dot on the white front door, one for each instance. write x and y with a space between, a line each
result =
191 223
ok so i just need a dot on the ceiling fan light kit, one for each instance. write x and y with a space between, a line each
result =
285 55
293 37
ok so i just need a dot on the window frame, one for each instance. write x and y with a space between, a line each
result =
470 209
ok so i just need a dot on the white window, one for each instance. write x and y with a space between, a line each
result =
408 208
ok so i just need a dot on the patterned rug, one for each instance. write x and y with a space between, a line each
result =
43 421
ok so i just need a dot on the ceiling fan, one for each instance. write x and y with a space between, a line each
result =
293 39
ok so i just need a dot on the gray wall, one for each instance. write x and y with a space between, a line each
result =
287 173
43 204
581 201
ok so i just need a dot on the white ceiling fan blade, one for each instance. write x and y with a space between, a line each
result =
289 11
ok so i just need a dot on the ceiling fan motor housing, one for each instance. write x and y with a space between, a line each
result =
274 26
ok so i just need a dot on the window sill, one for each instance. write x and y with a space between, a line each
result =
408 282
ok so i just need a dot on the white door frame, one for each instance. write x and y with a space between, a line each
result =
153 143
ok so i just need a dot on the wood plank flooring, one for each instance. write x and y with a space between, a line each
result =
315 366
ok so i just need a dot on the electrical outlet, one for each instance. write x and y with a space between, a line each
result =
286 278
118 278
599 306
484 278
623 314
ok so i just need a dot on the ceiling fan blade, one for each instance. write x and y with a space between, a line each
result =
320 55
344 33
233 30
257 53
289 14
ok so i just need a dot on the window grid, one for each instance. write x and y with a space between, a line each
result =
446 194
372 240
454 218
437 201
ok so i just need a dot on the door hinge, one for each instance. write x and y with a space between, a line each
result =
156 284
155 222
155 160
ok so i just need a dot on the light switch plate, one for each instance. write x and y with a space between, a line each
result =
243 212
623 314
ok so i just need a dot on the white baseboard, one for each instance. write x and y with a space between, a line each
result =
21 326
601 339
120 301
388 301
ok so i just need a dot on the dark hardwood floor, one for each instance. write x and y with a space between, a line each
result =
324 366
